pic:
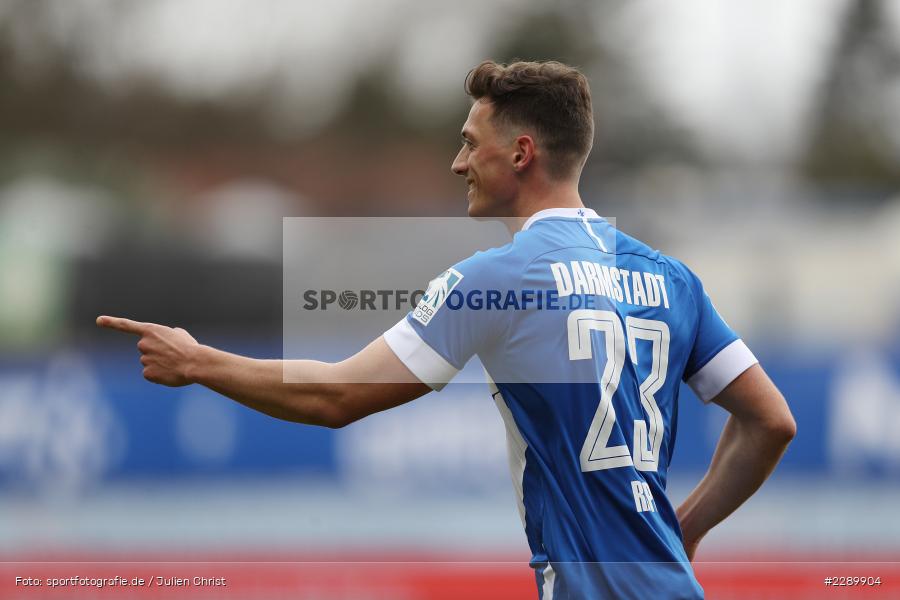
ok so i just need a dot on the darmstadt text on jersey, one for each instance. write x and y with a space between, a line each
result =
639 288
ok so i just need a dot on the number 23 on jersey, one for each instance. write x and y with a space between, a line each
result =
596 454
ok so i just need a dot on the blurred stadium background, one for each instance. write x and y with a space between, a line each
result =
149 151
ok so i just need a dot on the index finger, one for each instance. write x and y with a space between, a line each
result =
120 324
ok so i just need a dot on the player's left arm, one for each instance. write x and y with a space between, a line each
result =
327 394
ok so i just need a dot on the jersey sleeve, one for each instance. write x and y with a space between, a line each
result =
718 355
437 338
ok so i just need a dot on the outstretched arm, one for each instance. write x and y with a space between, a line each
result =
328 394
754 439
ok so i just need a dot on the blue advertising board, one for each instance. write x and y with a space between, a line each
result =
78 419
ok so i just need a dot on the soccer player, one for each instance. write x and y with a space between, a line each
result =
585 334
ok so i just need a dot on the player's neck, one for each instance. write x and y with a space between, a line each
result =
556 196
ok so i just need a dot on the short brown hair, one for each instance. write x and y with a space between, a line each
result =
552 98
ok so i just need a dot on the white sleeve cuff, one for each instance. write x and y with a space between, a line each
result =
722 369
427 365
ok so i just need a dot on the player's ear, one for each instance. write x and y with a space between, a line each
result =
523 152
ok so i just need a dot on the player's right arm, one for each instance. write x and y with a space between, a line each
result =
758 431
723 370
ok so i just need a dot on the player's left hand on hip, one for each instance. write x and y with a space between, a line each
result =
166 352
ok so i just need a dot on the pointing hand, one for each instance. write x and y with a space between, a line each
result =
166 352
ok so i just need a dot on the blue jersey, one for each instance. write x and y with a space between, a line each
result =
585 334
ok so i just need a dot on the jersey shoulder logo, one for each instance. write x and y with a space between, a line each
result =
438 290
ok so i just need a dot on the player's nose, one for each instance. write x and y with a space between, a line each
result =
459 166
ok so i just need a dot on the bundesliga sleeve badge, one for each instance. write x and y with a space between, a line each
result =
438 290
